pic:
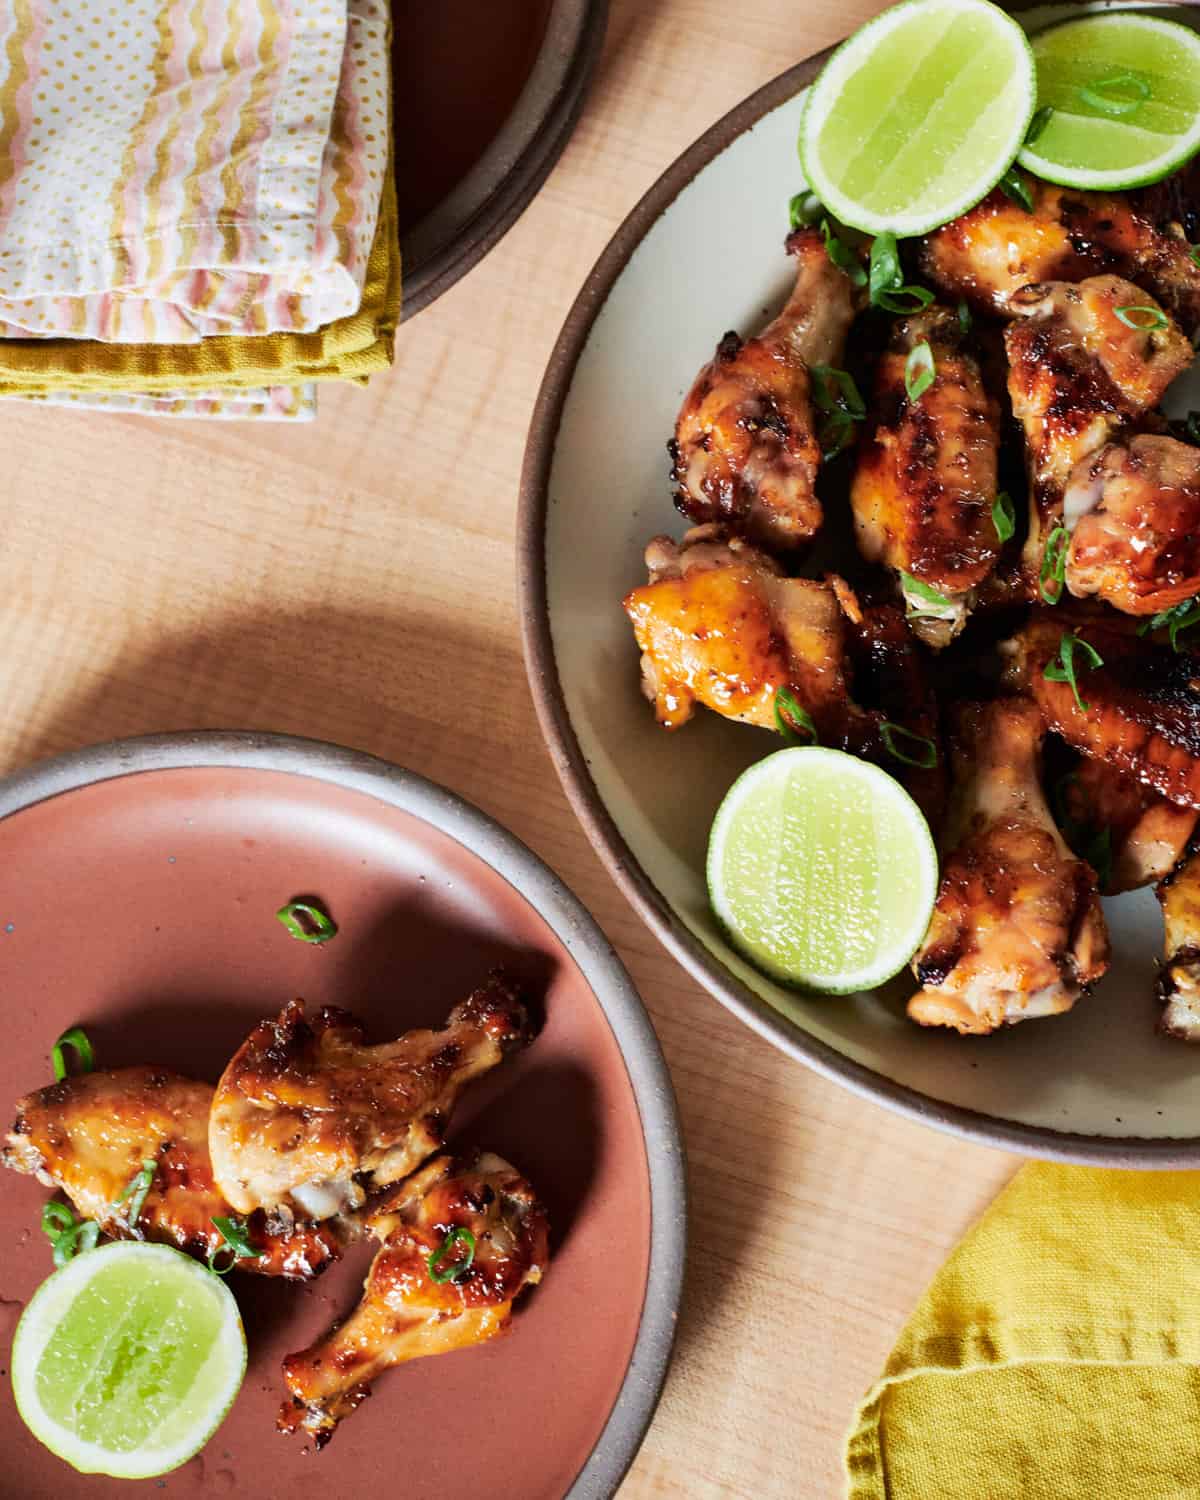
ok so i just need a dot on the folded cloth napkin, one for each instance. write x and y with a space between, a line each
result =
1056 1354
191 174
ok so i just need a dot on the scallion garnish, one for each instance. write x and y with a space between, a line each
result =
1191 427
307 921
1144 318
1117 105
1004 517
964 315
1014 186
804 210
1054 564
136 1192
1179 618
441 1272
925 755
842 256
792 720
887 288
76 1038
67 1234
924 603
1038 124
838 397
1194 252
1062 667
919 371
236 1243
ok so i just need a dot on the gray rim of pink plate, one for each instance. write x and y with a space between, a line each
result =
541 666
570 922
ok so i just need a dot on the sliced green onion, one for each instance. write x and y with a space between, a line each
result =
1191 427
1063 669
835 394
1014 186
1038 124
790 717
923 591
842 256
1179 618
76 1038
1004 517
439 1271
1194 252
1054 564
56 1219
923 603
235 1235
307 921
67 1234
136 1193
1145 319
1100 96
964 315
804 210
925 755
919 371
887 288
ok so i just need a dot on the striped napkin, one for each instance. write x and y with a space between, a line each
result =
180 172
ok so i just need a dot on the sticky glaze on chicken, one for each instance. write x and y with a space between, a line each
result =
1017 931
1142 711
1078 374
1179 973
1133 510
305 1109
746 449
998 247
404 1314
925 480
1140 835
89 1136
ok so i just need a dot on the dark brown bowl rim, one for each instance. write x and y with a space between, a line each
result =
465 226
559 733
569 920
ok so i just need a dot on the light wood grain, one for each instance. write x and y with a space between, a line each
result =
354 581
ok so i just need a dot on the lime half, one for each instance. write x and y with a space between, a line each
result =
822 870
126 1360
1125 95
918 115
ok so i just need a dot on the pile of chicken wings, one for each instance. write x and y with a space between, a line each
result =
1027 676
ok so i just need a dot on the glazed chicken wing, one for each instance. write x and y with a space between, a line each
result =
1078 372
404 1312
746 448
1130 835
1179 974
305 1110
90 1136
925 480
1133 510
1017 931
1141 709
998 247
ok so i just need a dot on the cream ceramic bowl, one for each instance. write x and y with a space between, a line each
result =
702 253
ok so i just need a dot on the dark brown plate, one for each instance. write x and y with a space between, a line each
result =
486 97
137 894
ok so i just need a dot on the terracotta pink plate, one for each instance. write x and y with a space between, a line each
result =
138 885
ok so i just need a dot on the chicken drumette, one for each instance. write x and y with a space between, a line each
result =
925 482
1017 931
1130 835
305 1110
461 1239
91 1135
747 447
1179 974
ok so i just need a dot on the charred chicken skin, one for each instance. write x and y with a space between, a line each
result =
305 1115
1078 374
1135 836
746 449
404 1312
90 1135
998 247
1179 974
925 480
1017 930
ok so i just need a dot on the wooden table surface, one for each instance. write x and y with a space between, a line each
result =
354 581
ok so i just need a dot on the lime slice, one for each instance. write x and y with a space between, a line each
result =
822 870
126 1360
918 115
1125 91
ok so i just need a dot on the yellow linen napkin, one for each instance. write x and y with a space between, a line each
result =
1056 1354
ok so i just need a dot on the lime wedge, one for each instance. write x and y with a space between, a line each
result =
822 870
126 1360
918 115
1125 95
